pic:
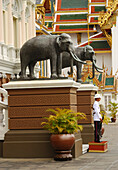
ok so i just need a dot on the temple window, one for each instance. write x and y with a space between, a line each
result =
107 99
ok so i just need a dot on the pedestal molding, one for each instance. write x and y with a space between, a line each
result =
87 87
40 84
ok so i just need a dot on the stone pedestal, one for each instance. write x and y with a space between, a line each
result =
85 100
28 102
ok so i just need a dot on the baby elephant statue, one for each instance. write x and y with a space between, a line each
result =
83 53
45 47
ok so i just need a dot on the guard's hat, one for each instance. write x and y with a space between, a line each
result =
97 96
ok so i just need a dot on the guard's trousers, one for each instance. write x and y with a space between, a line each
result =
97 128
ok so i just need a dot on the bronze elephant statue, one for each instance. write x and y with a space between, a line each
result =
83 53
45 47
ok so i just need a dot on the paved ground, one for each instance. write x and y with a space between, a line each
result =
88 161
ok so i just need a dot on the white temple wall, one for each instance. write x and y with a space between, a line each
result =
115 48
74 38
84 37
15 15
104 59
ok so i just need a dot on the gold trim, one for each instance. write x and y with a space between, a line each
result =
98 143
48 20
57 12
97 39
39 5
97 52
93 23
72 31
109 37
109 86
71 22
43 2
93 15
99 3
106 20
104 17
78 38
98 151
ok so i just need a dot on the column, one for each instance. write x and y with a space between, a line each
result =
33 21
19 40
10 25
23 22
1 23
19 33
48 68
1 30
30 23
6 26
114 48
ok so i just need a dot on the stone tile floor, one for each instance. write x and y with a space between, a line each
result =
88 161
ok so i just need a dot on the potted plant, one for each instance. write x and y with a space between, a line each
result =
113 110
62 124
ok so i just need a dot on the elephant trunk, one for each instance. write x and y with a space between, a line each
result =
94 66
74 56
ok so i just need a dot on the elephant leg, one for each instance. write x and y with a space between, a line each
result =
59 66
79 71
23 71
71 67
31 70
53 62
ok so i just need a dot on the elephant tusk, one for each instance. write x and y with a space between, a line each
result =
97 68
100 71
83 62
76 58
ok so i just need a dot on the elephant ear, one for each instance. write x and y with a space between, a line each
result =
58 40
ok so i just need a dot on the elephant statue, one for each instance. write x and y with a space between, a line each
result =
45 47
83 53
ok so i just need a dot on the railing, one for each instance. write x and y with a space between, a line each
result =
3 113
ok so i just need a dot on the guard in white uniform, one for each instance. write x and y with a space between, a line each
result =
97 118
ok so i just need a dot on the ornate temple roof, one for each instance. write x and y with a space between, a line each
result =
75 16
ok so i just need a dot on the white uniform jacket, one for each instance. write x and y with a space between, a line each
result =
96 111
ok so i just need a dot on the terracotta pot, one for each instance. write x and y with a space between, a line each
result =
113 119
62 144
